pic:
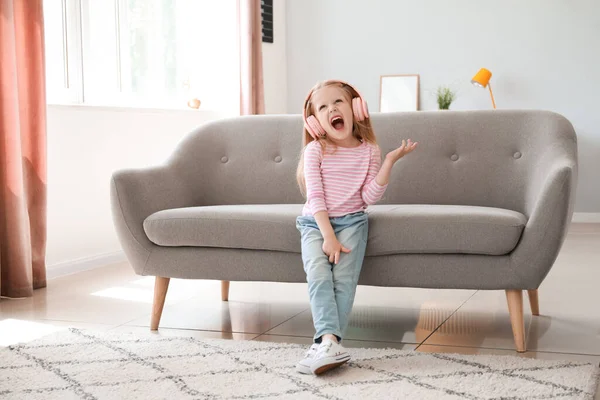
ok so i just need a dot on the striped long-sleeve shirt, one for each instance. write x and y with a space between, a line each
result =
341 181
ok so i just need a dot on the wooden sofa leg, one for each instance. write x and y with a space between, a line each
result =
160 294
515 308
225 290
534 301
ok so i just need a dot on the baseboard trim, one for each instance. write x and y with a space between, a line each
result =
84 264
587 218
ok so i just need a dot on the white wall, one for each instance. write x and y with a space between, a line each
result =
87 144
543 54
274 63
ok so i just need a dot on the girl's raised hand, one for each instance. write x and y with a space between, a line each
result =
407 147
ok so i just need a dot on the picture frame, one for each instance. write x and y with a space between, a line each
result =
399 92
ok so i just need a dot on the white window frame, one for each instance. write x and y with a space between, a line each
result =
115 98
71 91
76 39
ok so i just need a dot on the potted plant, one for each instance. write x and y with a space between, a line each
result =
445 97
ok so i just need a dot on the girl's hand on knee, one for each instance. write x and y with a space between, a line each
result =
333 248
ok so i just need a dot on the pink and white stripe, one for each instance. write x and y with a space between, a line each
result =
341 181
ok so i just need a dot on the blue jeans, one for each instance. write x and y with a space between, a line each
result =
331 287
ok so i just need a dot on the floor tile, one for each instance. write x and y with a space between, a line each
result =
75 308
110 295
528 354
266 292
13 331
483 321
564 335
297 293
578 227
571 287
381 324
578 253
411 297
230 316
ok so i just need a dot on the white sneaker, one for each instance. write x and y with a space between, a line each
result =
303 365
329 355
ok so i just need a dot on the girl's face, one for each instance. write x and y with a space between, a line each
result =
333 110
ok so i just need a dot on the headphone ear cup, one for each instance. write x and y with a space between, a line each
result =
309 130
313 127
358 109
365 108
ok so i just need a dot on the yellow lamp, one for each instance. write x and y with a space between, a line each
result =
482 79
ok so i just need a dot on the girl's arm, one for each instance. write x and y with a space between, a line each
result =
315 196
322 218
373 190
383 177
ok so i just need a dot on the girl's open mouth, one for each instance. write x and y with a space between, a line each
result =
337 123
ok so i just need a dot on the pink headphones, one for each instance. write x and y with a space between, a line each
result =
311 124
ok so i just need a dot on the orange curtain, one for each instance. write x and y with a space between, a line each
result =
22 148
251 69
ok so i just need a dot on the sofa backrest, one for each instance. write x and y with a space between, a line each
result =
482 158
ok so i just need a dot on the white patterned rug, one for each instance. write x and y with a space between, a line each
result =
77 364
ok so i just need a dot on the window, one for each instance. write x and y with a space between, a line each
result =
142 53
63 49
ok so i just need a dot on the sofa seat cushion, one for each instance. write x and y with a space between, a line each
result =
255 226
443 229
393 229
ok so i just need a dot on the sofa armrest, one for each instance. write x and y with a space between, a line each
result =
135 195
549 208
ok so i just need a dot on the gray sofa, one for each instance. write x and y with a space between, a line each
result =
483 203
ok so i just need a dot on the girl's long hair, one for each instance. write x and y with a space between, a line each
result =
362 130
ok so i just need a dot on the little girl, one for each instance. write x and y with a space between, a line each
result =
340 173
